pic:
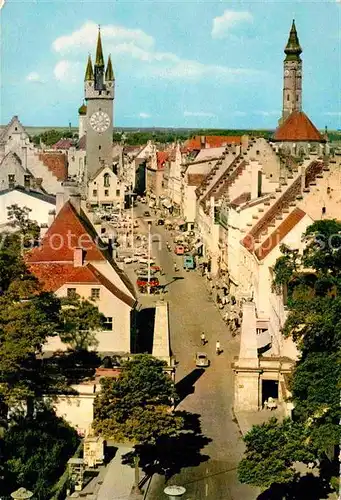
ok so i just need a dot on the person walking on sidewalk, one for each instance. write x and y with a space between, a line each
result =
203 338
217 347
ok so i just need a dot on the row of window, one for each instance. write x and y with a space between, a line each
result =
94 295
106 192
11 180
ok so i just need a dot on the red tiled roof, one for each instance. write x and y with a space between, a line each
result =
63 144
56 164
54 275
276 236
195 179
68 231
162 157
212 141
298 127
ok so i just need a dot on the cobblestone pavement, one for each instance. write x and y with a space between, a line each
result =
192 312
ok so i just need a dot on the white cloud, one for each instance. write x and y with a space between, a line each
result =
144 115
199 114
34 77
125 44
230 18
67 71
86 36
333 113
267 113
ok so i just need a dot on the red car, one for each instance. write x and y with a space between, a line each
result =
142 281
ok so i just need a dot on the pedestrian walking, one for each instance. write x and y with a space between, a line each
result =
203 338
217 347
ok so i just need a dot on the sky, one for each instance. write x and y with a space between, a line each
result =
185 63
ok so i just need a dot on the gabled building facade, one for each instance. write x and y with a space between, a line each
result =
105 189
72 260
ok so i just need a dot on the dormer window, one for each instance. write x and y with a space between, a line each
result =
106 179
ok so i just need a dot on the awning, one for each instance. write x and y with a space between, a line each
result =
167 203
263 339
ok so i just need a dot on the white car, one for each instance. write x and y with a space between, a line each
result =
144 260
128 260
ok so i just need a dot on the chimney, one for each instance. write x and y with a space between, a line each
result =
51 217
256 179
72 194
43 230
244 142
78 257
59 202
202 141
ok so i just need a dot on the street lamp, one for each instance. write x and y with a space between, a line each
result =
22 494
149 249
174 492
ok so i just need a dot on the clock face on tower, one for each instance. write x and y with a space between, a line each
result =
99 121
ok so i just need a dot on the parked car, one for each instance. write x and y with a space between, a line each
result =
161 222
201 360
179 250
189 262
144 260
128 260
142 281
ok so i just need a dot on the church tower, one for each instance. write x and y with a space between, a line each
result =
292 84
99 87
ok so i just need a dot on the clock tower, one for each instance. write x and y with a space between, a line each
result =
99 87
292 85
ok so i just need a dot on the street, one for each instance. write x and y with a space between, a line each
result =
192 312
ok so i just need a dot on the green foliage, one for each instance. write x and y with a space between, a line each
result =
35 451
271 449
25 325
19 216
50 137
80 321
137 405
12 266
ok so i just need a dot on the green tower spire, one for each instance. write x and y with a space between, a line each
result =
99 51
89 73
293 48
109 74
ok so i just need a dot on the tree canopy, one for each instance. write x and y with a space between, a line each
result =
127 407
313 282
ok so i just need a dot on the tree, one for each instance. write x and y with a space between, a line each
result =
12 266
271 450
19 216
313 282
80 321
137 406
25 325
35 450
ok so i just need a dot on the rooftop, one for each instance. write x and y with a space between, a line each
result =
297 128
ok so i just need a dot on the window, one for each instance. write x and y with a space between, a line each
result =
11 180
288 97
94 192
106 179
117 192
323 210
99 147
15 128
94 293
107 324
106 192
27 181
71 293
